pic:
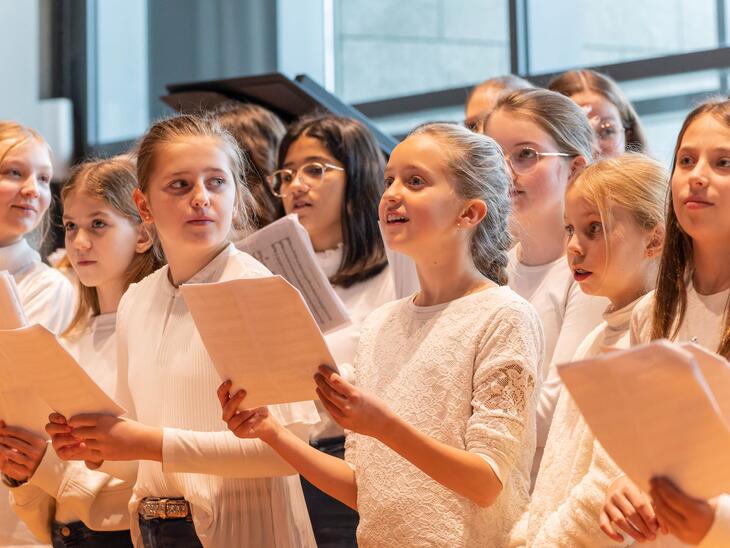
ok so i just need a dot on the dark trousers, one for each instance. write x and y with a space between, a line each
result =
78 535
169 533
334 524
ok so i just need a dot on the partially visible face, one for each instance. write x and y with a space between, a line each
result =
620 276
419 209
100 242
25 188
319 209
606 122
191 195
479 105
701 181
541 190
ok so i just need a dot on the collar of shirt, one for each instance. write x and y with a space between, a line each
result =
17 257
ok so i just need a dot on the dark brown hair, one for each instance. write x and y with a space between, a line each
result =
113 181
351 144
676 267
258 132
575 81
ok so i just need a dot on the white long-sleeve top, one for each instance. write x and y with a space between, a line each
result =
576 471
360 300
241 492
703 324
568 315
68 491
46 294
464 373
48 299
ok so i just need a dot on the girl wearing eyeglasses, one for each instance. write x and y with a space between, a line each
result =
547 140
616 125
331 175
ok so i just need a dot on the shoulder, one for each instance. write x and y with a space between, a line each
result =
242 265
505 304
43 278
641 319
139 292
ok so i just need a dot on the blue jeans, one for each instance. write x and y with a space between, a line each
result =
334 524
77 535
169 533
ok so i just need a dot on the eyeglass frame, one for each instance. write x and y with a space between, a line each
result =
295 175
508 158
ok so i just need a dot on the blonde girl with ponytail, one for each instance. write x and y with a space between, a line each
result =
441 419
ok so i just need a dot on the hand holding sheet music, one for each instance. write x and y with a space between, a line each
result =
657 413
285 249
260 335
44 378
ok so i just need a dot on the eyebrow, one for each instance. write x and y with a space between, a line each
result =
205 170
92 214
312 159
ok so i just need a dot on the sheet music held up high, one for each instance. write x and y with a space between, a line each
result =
656 412
285 249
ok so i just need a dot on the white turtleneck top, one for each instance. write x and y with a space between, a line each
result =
575 471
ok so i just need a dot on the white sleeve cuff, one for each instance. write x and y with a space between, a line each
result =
719 534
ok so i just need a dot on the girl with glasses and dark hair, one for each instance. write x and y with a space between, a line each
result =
330 173
547 140
615 123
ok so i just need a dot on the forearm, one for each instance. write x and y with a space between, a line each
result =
328 473
464 472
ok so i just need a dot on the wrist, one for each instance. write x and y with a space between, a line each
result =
391 430
151 443
272 436
12 482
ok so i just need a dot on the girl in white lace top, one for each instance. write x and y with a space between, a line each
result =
442 417
614 216
691 303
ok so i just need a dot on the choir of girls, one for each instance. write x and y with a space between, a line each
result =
542 232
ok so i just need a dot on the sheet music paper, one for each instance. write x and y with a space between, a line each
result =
11 309
285 249
655 413
403 270
44 378
260 335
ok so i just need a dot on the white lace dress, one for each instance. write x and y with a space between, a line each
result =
463 373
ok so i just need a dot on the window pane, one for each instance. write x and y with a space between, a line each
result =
572 33
387 48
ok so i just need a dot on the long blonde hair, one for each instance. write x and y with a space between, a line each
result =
112 181
19 135
675 269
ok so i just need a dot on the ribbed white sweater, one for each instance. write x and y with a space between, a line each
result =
241 492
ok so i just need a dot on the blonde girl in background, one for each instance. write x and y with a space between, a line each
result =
691 303
614 218
108 248
46 295
441 420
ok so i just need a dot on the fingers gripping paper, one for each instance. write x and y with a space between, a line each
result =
655 411
260 335
33 364
285 249
11 309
